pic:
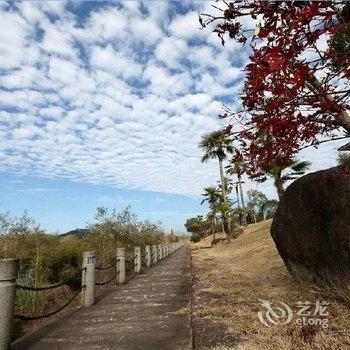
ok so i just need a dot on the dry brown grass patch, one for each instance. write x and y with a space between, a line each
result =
229 281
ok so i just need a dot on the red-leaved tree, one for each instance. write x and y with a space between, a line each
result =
296 91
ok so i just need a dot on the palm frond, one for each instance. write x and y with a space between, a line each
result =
301 166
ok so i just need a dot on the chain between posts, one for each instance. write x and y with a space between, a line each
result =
98 268
33 318
131 262
110 280
39 289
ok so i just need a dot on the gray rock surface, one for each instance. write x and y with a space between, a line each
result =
311 227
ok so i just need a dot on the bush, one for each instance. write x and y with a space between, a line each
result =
196 237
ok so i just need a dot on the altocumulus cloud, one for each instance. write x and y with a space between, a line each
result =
112 92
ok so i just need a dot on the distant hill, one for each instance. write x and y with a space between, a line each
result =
79 232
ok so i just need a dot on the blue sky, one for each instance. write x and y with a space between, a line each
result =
104 103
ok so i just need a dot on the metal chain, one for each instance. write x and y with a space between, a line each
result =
33 318
38 289
105 268
53 286
103 283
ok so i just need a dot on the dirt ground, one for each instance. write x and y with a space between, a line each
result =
231 280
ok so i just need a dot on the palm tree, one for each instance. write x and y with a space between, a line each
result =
224 210
237 168
217 144
280 177
212 196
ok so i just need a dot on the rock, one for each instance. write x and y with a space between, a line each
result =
311 227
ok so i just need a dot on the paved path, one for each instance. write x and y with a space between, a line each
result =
148 313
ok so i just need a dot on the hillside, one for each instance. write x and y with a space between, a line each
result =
229 280
79 233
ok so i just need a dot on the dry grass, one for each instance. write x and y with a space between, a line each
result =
229 281
206 241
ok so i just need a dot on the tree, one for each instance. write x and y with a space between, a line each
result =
196 225
213 197
280 177
296 90
224 210
256 203
237 167
344 159
269 208
217 144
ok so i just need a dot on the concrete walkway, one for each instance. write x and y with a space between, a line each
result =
148 313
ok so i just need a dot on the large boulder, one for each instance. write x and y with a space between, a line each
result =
311 228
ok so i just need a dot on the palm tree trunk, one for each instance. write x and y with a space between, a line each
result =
226 229
223 190
279 188
237 194
214 224
244 221
223 185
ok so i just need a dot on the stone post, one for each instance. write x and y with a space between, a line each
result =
8 275
160 255
137 259
154 253
148 255
121 265
88 279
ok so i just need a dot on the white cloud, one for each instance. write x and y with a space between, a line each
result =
57 42
120 96
186 26
170 51
145 30
107 24
164 83
53 7
110 60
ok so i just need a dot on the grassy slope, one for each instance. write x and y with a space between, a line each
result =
229 280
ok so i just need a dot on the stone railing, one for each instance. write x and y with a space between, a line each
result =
123 269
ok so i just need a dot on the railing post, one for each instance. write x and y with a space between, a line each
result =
154 253
148 255
121 265
8 275
160 256
88 279
137 259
